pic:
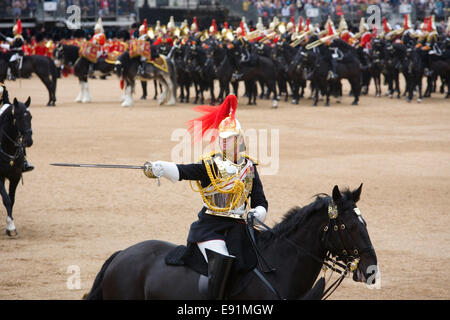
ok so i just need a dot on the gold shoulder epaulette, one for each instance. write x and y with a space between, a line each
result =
207 156
251 158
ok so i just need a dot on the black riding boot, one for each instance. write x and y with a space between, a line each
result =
26 166
219 267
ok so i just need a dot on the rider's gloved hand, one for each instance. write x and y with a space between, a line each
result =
158 169
259 212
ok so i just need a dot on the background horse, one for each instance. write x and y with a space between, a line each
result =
258 68
68 56
127 69
42 66
296 249
15 135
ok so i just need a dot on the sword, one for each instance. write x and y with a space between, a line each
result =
105 166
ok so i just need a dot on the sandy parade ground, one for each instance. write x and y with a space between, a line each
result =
70 220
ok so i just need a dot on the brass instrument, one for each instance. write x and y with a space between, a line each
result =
268 37
300 38
321 41
253 35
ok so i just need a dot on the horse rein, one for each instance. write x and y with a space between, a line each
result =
349 266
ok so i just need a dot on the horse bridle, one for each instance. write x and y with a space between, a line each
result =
17 143
330 261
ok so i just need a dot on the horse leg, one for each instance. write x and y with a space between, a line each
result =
155 84
211 90
128 101
87 94
144 90
10 227
356 88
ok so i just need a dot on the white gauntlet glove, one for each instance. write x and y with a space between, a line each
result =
259 212
158 169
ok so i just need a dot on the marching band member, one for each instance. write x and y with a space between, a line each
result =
228 183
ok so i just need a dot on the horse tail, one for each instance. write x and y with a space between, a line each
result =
96 291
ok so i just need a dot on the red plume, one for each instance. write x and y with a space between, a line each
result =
19 26
425 24
214 25
300 24
196 24
430 25
386 28
307 24
225 25
145 25
293 23
405 24
242 28
212 117
330 29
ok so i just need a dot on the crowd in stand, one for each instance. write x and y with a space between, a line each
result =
89 8
284 9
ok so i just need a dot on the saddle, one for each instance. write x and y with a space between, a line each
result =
238 244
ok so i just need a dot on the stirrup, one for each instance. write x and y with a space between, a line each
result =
27 167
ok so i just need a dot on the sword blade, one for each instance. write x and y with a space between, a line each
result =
105 166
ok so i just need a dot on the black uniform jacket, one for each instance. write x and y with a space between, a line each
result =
209 227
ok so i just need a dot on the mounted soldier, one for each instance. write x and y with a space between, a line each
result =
226 180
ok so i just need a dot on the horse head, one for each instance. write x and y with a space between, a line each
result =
346 236
58 54
22 120
121 63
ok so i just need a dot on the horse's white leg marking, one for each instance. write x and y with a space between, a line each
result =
87 94
81 93
10 224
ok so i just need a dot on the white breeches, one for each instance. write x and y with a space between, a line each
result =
213 245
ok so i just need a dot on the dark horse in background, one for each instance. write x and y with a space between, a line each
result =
68 55
258 68
42 66
295 248
15 136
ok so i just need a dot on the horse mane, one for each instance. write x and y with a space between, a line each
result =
296 216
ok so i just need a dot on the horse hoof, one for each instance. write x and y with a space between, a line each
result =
419 100
143 98
274 104
12 233
294 101
354 103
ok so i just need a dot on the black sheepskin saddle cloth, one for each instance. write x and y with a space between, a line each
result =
238 244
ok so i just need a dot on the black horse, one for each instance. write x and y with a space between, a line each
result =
42 66
223 70
258 68
182 73
296 249
196 61
391 70
413 70
15 136
294 74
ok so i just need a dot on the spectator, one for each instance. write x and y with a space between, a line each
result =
16 8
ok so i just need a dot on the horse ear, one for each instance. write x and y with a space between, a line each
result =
15 102
357 193
27 103
336 194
